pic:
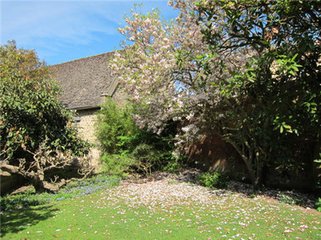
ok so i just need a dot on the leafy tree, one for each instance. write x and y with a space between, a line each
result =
36 133
247 70
273 104
169 71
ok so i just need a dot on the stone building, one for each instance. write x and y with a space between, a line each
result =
85 83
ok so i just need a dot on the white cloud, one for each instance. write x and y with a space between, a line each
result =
49 26
69 21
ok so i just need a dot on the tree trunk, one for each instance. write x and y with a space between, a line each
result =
44 186
38 185
259 174
41 185
316 166
248 163
38 182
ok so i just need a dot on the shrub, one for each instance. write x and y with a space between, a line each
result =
213 180
116 130
117 164
318 204
173 166
126 147
147 158
287 199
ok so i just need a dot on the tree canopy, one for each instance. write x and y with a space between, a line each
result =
34 126
246 70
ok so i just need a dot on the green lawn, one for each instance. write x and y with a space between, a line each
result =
100 215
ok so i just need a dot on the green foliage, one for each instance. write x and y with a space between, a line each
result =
318 205
30 112
286 65
174 165
117 164
213 180
126 147
116 129
148 158
36 133
269 106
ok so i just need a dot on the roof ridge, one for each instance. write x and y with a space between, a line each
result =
79 59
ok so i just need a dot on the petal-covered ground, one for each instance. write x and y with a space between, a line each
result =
163 209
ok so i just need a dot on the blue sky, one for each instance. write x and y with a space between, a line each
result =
63 30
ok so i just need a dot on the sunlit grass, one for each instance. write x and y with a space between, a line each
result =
101 215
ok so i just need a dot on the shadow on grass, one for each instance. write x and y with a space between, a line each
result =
21 216
289 197
285 196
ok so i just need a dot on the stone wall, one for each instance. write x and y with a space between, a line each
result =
86 124
212 153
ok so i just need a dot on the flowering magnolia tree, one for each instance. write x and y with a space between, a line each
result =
168 69
172 74
233 68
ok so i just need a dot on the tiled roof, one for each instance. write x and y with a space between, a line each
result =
85 82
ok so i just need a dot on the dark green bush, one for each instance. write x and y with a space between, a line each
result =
147 158
116 130
117 164
288 199
318 204
30 112
33 122
213 180
126 147
174 165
